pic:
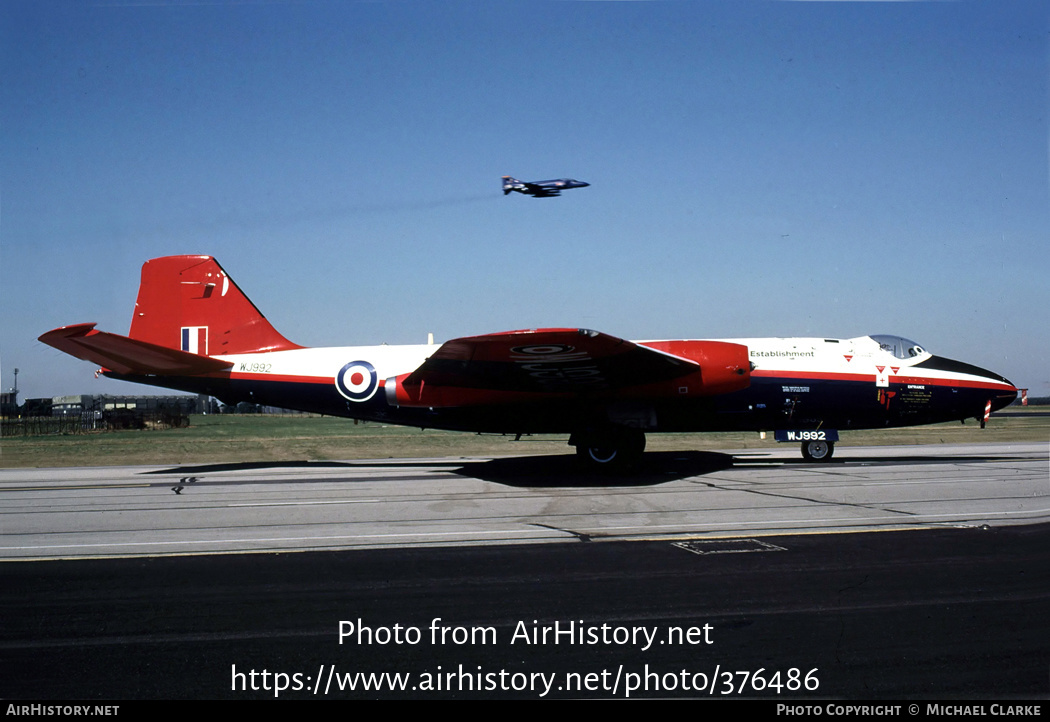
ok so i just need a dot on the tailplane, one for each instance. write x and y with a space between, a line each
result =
190 303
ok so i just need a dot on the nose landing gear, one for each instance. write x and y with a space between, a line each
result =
818 450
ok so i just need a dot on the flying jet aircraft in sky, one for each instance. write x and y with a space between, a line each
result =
541 189
194 330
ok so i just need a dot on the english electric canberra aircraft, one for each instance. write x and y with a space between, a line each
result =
194 330
541 189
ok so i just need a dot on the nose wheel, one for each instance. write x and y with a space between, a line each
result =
817 450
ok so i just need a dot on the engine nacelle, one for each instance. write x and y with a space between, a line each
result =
724 367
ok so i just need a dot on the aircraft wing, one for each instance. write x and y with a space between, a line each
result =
547 361
126 355
542 191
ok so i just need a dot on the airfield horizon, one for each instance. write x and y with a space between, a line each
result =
301 437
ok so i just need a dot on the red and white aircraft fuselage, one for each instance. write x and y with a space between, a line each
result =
194 330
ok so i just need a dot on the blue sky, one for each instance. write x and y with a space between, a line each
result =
758 169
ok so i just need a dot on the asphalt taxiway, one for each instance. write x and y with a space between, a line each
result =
711 575
296 506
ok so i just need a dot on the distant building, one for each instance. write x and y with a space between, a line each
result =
36 407
9 403
99 403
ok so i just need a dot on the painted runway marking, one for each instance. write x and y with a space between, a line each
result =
308 503
728 546
78 486
193 542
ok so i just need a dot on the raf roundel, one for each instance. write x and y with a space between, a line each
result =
546 350
357 381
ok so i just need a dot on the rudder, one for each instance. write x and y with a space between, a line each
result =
191 304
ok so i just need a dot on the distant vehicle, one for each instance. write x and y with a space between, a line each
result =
541 189
194 330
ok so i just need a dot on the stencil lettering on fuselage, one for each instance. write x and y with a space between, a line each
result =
357 381
557 366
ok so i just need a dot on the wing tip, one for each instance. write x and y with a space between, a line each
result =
72 331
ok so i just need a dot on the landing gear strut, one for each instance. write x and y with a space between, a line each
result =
614 449
818 450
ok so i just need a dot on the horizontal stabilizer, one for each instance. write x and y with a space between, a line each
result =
125 355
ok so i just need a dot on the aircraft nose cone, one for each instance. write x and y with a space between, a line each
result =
1004 399
1001 392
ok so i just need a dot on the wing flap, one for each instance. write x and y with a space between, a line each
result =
125 355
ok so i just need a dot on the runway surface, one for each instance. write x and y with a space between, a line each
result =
216 508
941 614
711 576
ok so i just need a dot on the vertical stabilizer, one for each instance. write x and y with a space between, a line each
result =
189 303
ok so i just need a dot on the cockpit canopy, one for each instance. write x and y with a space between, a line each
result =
899 346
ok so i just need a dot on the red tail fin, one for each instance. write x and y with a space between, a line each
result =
189 303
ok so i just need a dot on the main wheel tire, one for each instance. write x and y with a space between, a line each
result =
818 450
618 450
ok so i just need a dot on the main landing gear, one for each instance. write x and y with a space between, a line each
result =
818 450
614 449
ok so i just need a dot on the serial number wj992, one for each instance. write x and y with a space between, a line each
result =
254 368
807 436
